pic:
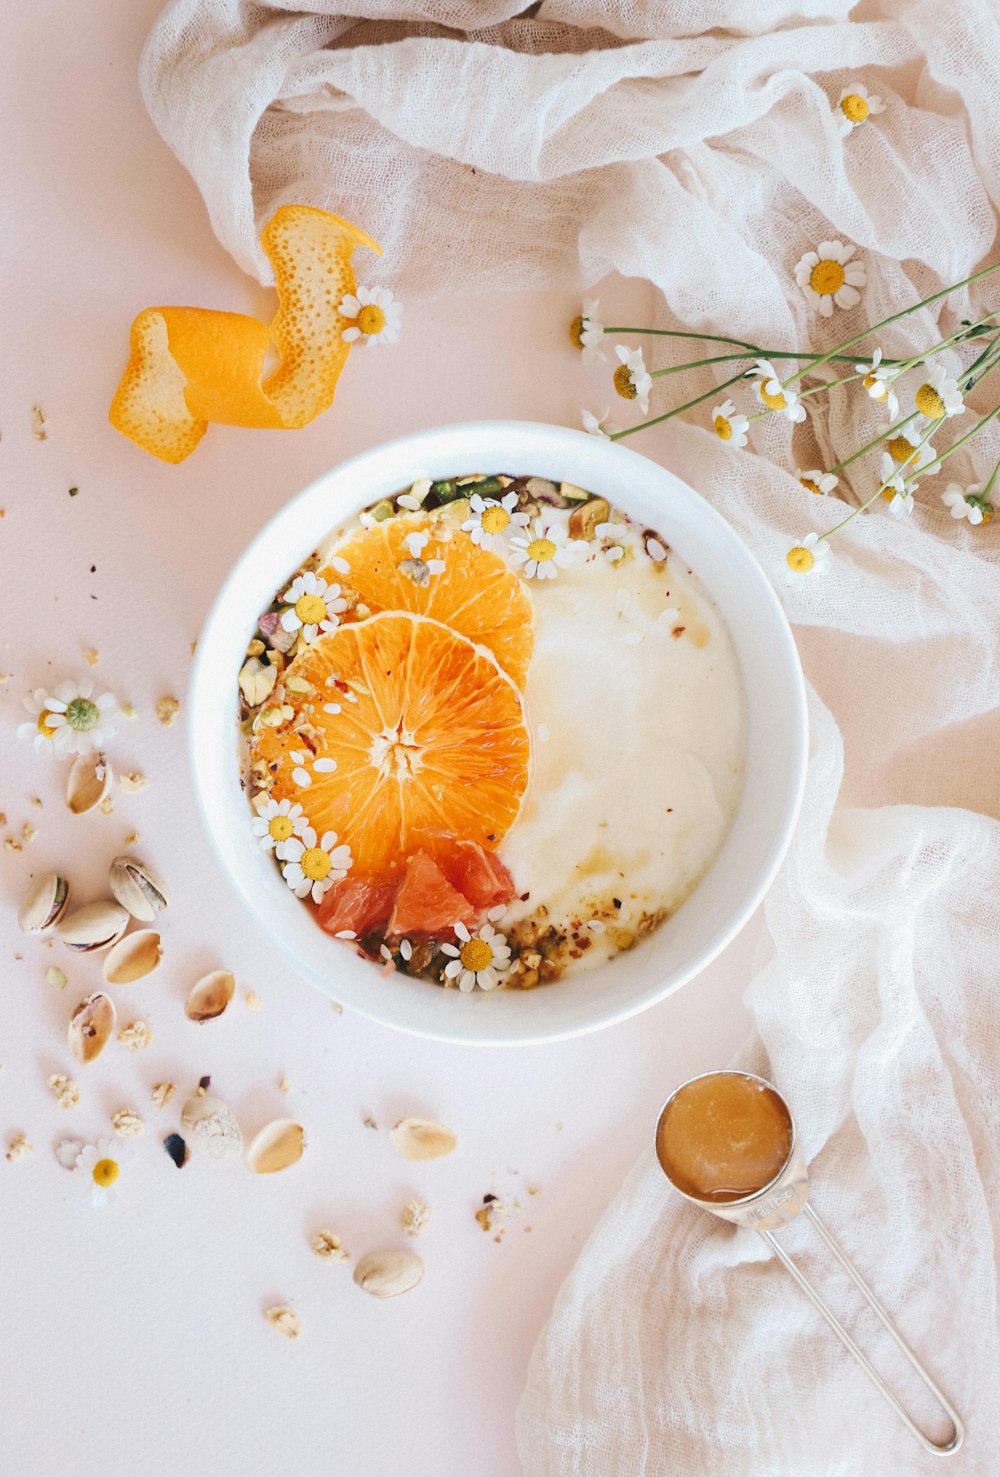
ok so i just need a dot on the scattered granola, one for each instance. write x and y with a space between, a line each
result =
11 843
285 1321
132 839
491 1213
253 1000
284 1084
328 1247
133 781
36 801
166 710
91 656
162 1093
415 1217
38 423
107 805
55 978
129 710
136 1035
19 1148
127 1124
65 1091
28 831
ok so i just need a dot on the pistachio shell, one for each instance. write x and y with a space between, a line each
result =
386 1274
44 903
91 1027
277 1146
89 781
212 1125
138 887
210 996
544 491
133 957
421 1138
584 519
94 927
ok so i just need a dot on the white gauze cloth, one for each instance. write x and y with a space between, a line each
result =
697 144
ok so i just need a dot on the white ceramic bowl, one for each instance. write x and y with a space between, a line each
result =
776 735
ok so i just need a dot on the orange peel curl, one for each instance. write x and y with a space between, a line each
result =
190 366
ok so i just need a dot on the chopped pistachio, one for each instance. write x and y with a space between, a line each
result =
55 978
133 782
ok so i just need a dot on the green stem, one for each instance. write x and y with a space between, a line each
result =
985 493
721 338
644 425
935 465
935 297
870 446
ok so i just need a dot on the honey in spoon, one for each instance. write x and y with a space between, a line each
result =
723 1136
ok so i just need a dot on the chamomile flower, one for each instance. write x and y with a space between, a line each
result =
821 483
829 275
81 721
939 395
99 1167
893 477
632 379
771 394
877 383
38 730
906 450
729 426
900 504
965 502
313 865
540 552
855 106
313 606
597 426
276 823
810 556
481 958
374 313
491 519
586 332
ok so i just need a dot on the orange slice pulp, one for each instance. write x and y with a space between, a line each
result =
427 734
477 593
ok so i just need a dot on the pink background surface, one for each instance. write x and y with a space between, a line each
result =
135 1343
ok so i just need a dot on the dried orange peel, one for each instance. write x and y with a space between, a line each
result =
190 366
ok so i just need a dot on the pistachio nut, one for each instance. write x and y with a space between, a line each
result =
94 927
138 887
257 679
133 957
583 520
91 1027
422 1138
210 996
277 1146
212 1125
386 1274
44 903
88 783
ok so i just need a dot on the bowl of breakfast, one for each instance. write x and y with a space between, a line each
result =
499 732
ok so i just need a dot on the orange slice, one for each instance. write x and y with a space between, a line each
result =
477 593
429 743
189 366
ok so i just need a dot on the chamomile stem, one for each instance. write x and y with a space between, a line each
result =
870 445
935 297
678 409
816 390
985 493
721 338
883 486
936 463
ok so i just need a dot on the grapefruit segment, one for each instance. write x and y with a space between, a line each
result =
477 593
427 903
478 875
357 905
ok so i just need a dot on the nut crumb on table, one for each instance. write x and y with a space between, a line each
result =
415 1217
136 1035
127 1124
64 1089
19 1148
162 1093
285 1321
328 1247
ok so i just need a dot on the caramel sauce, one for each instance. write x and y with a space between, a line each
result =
723 1136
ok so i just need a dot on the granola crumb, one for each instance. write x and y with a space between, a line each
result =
28 831
65 1091
167 709
414 1217
338 1009
5 677
38 423
136 1035
162 1093
253 1000
533 1190
132 839
284 1083
107 805
55 978
91 656
285 1321
369 1122
328 1247
127 1124
36 801
129 710
133 781
11 843
19 1148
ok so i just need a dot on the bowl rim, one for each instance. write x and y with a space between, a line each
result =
415 445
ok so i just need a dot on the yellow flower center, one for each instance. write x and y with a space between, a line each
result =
623 382
576 331
371 319
929 403
888 493
315 864
43 727
105 1172
541 549
776 402
826 277
810 485
872 381
901 450
800 559
495 520
476 955
280 828
310 609
854 107
722 428
987 514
